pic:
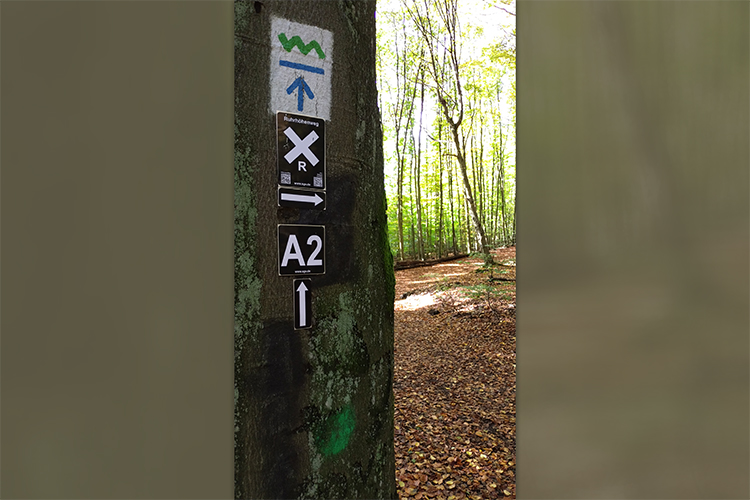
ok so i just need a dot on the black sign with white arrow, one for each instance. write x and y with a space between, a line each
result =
298 198
302 304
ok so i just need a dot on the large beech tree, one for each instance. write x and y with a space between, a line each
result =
313 408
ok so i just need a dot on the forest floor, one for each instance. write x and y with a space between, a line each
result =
455 379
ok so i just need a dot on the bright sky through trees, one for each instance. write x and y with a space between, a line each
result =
486 22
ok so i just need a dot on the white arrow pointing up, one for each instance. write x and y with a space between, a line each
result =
303 198
301 289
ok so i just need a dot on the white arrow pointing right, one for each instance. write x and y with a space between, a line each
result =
301 289
303 198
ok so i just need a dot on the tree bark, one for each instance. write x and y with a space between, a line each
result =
503 192
412 189
513 234
402 63
450 202
313 408
440 188
400 200
477 223
418 167
482 202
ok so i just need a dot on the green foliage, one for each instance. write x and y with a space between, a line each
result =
427 172
485 292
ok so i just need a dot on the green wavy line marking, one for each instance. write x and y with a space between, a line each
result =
305 49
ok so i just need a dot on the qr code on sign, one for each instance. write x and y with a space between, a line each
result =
318 181
286 177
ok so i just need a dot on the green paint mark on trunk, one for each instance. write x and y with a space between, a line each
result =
305 49
336 432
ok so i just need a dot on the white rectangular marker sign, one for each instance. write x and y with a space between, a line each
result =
302 304
301 65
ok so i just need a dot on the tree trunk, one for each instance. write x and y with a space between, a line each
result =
469 244
495 198
405 101
418 168
454 113
412 189
313 407
472 157
513 235
503 218
418 201
440 188
503 211
450 202
399 162
480 158
472 208
400 200
408 139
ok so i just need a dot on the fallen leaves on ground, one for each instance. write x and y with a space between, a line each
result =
455 379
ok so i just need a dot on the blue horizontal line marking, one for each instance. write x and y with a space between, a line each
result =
303 67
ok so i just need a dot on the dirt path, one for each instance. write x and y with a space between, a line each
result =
455 380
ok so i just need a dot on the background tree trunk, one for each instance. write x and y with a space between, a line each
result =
404 104
313 408
440 191
450 201
417 168
449 84
481 239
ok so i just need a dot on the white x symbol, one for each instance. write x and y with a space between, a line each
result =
301 146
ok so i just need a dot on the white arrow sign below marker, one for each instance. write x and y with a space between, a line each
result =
301 289
303 198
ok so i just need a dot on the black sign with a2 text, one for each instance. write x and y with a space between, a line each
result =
301 249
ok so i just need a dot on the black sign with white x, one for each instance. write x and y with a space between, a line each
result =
301 151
